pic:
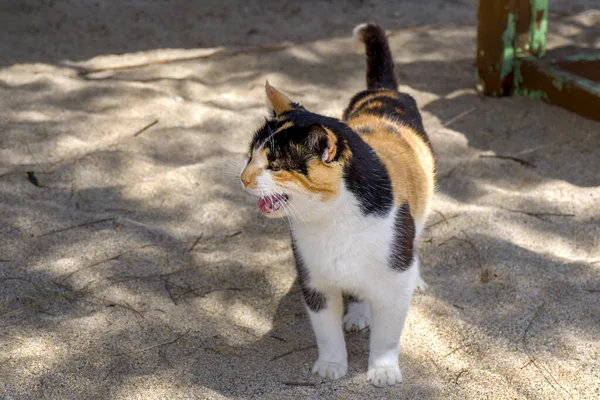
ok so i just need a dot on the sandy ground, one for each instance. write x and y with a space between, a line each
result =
106 291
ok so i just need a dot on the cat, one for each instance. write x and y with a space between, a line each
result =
357 192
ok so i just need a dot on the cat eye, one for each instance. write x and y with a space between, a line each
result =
274 167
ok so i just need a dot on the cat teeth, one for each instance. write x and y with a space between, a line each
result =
277 202
271 204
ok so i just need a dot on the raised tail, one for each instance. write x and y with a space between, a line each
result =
380 65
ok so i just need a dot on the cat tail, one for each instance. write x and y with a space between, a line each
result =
380 65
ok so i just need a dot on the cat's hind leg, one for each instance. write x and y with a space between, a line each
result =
358 315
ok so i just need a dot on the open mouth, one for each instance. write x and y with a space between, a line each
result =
270 204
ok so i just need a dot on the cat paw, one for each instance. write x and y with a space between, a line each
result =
421 286
357 318
384 376
330 370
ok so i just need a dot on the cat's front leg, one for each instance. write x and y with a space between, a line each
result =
326 321
388 314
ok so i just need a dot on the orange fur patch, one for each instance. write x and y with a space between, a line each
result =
333 148
324 180
254 168
373 104
407 158
279 101
374 123
370 98
285 126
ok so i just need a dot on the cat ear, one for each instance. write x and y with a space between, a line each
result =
279 101
324 141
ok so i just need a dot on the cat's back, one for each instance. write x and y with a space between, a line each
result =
390 123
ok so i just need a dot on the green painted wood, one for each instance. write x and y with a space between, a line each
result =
495 51
538 27
548 82
511 41
508 30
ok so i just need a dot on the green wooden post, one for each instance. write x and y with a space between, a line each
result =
511 39
506 31
495 53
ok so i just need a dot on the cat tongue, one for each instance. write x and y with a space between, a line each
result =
265 204
270 204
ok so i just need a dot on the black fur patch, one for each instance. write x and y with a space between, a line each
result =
380 64
367 178
404 238
316 301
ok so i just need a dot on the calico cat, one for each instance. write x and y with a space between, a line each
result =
357 192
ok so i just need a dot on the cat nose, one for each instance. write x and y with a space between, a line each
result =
245 181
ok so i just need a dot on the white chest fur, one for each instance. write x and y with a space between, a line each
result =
346 249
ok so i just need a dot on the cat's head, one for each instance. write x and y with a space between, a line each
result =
295 161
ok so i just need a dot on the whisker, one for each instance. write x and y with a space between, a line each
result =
293 209
231 170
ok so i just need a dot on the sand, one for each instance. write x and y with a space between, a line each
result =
140 269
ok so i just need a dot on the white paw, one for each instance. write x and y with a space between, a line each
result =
357 318
421 286
330 370
382 376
